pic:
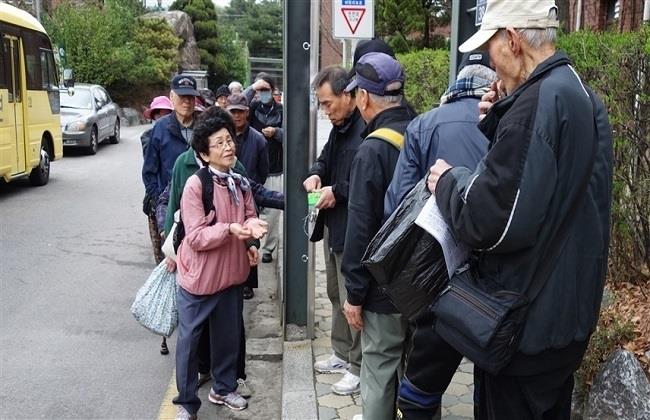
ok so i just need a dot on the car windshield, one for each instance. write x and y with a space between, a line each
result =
80 100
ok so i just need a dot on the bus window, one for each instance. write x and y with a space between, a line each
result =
48 71
3 68
32 64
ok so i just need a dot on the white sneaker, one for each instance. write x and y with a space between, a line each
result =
331 365
349 384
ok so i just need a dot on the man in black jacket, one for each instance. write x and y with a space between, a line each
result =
546 136
378 86
330 175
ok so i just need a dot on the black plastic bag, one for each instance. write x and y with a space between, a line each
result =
405 260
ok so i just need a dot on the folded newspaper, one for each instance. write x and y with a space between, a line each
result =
431 220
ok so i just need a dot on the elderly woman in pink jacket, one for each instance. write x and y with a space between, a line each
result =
213 261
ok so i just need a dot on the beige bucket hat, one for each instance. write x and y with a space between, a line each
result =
520 14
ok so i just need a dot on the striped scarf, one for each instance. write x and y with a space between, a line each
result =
474 87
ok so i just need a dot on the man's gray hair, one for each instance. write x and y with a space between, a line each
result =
479 71
235 84
388 101
538 37
336 76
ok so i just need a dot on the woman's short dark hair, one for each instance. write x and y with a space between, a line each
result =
267 78
209 122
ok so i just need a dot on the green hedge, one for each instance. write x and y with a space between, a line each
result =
617 66
427 77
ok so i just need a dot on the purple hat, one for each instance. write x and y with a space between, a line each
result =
237 101
375 72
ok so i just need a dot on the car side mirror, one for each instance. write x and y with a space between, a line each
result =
68 78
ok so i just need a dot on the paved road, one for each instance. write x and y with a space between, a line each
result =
72 256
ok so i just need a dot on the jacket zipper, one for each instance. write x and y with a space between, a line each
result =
464 295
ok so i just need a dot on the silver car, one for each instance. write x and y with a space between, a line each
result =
88 117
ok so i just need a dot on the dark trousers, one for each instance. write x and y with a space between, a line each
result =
543 396
223 309
430 365
252 281
204 351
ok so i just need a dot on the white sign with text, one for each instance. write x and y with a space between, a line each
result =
353 19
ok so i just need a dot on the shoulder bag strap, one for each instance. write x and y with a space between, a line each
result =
388 135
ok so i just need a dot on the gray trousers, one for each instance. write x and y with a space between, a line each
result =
346 341
272 216
382 344
224 310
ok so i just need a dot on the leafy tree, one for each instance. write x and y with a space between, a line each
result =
107 45
233 56
259 23
216 49
398 20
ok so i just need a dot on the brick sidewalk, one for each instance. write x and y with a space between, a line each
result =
456 403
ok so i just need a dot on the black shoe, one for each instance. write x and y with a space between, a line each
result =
163 347
248 293
267 258
204 378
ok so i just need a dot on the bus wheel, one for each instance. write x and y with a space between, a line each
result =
41 174
115 138
94 142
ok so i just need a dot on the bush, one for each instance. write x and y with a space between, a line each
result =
107 45
427 77
617 66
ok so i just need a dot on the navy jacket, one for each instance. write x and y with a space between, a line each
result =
253 153
165 145
511 206
449 132
333 167
371 173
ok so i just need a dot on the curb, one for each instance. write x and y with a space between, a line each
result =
298 391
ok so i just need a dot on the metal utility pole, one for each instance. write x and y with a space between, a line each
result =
646 11
462 27
297 50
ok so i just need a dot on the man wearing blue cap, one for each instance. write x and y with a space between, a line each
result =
170 136
379 87
448 132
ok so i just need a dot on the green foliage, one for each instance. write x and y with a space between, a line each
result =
259 23
427 77
222 55
617 66
610 334
407 24
105 45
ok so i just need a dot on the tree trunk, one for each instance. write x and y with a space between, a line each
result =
563 14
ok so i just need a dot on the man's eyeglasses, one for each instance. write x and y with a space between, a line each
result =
220 145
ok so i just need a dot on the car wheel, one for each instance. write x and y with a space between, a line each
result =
40 175
94 141
116 132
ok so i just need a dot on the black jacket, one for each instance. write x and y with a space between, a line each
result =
262 116
511 206
371 173
333 167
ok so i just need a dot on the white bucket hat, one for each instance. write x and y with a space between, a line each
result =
520 14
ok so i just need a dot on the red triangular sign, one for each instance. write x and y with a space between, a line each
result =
353 16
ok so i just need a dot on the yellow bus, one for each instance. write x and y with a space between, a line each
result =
30 127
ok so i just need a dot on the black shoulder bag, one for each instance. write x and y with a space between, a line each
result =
486 326
207 196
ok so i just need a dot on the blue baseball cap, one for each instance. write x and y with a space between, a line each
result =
184 85
374 72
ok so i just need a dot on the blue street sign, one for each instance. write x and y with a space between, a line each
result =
354 2
481 5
